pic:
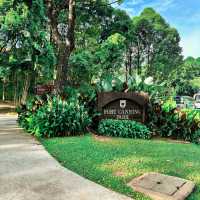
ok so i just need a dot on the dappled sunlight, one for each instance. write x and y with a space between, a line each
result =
121 165
124 162
11 129
17 147
104 140
11 146
131 166
115 165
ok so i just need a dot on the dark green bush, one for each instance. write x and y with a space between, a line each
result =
196 137
123 128
56 118
31 106
168 121
184 87
86 94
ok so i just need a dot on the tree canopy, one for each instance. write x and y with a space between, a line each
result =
71 42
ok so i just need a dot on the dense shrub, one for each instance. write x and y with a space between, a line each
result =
196 137
86 94
56 118
123 128
26 110
186 88
168 121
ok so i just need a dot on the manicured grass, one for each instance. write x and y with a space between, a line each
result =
115 162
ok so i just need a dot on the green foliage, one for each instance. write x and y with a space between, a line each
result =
157 45
196 137
109 83
185 78
156 91
168 105
102 44
85 94
167 121
123 128
89 65
4 73
195 82
24 41
105 45
121 23
83 68
27 110
110 54
56 118
184 87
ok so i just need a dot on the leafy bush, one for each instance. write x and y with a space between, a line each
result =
123 128
56 118
186 88
85 94
31 106
196 137
166 120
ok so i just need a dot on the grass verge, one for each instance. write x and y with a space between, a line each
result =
114 162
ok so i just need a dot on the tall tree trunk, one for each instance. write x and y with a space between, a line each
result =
62 68
126 73
26 88
130 62
3 90
66 49
15 88
148 60
138 57
138 62
64 45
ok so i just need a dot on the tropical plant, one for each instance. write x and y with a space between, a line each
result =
123 128
56 118
165 120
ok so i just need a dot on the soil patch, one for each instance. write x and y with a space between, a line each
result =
119 173
102 138
170 140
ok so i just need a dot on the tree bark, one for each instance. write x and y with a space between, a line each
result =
126 73
25 88
3 90
138 58
65 45
15 89
130 62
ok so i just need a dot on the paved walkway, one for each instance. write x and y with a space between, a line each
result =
28 172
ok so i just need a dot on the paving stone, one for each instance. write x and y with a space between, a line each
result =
162 187
150 181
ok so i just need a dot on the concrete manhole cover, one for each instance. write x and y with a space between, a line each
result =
162 187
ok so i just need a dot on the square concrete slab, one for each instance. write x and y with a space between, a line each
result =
162 187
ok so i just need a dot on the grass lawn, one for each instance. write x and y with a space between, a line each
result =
116 161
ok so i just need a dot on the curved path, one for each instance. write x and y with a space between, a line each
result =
28 172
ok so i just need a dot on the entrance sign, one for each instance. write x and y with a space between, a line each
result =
120 105
44 89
